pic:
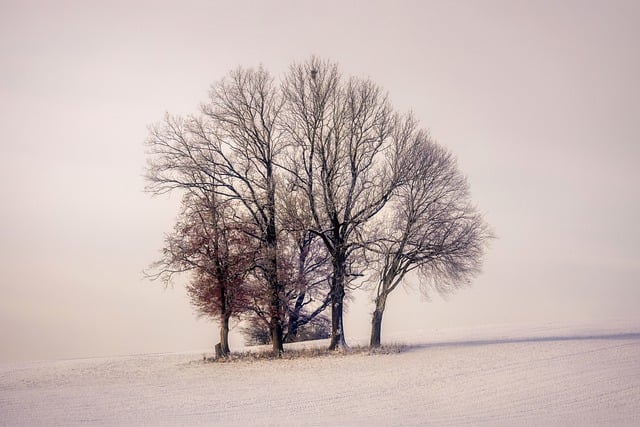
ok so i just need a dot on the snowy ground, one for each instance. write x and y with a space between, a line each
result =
548 375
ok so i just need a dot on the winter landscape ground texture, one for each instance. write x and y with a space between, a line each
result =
543 376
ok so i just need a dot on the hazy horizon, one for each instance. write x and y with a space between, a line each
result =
539 101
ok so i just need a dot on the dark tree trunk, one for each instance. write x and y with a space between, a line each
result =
226 314
224 335
337 304
276 288
294 317
376 326
276 337
292 328
337 325
275 324
376 321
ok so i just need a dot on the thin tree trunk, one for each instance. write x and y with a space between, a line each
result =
226 312
292 328
275 324
376 321
294 317
224 335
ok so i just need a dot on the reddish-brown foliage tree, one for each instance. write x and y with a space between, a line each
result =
230 148
216 247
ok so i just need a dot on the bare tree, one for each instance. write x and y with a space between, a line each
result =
307 291
303 274
312 164
344 140
230 149
433 229
255 333
308 266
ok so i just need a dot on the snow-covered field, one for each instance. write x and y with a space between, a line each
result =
547 375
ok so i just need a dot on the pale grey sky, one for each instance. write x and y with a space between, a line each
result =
539 100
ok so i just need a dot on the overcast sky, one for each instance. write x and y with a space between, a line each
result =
540 101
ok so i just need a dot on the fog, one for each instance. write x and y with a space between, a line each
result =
539 101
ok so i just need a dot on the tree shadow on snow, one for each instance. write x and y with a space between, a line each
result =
530 339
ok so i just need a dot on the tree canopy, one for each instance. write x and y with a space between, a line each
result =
288 185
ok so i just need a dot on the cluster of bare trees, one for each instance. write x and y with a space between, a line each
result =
294 190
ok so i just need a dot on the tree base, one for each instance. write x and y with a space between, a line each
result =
219 352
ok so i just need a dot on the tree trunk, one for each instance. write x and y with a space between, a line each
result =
376 321
337 305
275 322
337 326
224 336
275 285
294 317
276 315
276 337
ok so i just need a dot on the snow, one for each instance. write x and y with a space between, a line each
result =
543 375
